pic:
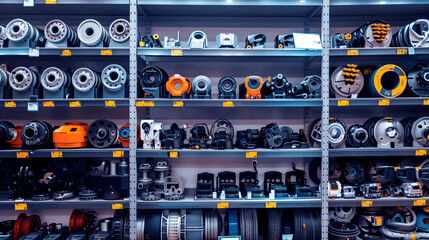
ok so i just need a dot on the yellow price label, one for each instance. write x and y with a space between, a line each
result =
74 104
402 51
118 153
56 154
174 155
384 102
343 103
20 206
421 152
66 53
426 102
106 52
117 206
366 203
51 1
251 154
352 52
270 205
419 202
228 104
109 103
223 205
145 104
10 104
48 104
22 155
378 221
178 104
176 52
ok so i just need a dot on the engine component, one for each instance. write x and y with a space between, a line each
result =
416 131
152 81
247 139
115 81
357 136
339 230
170 42
24 35
63 195
284 41
173 138
380 171
414 34
82 220
104 230
4 82
278 87
295 182
145 184
87 195
387 133
251 88
346 81
121 225
37 134
199 136
270 136
151 134
337 133
205 185
226 185
197 39
402 224
25 83
222 134
349 192
369 222
124 135
256 40
227 87
102 133
201 87
273 184
412 190
335 189
105 179
354 172
25 224
226 40
8 134
418 81
340 40
182 224
92 34
4 41
310 87
371 34
292 139
342 214
371 190
178 87
387 81
59 34
406 174
71 135
174 188
151 41
86 83
56 83
249 183
119 32
161 170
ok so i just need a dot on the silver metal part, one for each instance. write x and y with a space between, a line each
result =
173 224
53 79
92 34
4 78
59 34
420 132
343 88
63 195
85 79
418 33
174 188
23 79
170 42
162 170
22 34
226 40
120 31
105 224
342 214
197 39
114 77
412 189
418 81
201 87
211 224
337 133
389 133
3 37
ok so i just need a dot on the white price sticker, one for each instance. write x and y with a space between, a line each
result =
33 107
28 3
34 52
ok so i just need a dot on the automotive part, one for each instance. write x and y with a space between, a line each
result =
310 87
4 41
346 81
226 185
182 224
25 224
249 183
174 188
71 135
340 40
102 133
256 40
24 35
178 87
59 34
273 184
170 42
222 134
270 136
92 34
82 220
151 41
342 214
227 87
418 81
161 171
115 81
251 88
145 184
8 134
277 87
386 133
205 185
335 189
151 134
197 39
371 190
416 131
292 139
247 139
387 81
173 138
201 87
86 83
226 40
5 90
354 172
199 136
152 81
37 134
25 83
357 136
119 32
105 178
371 34
414 34
337 133
284 41
412 190
56 83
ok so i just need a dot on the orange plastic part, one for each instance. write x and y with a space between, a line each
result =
126 141
71 135
178 85
253 93
16 142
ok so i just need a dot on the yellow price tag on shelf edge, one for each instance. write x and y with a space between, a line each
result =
419 202
178 104
270 205
352 52
10 104
118 153
402 51
145 104
228 104
22 155
56 154
366 203
251 154
384 102
51 1
421 152
343 103
116 206
48 104
66 53
20 206
75 104
109 103
174 155
107 52
176 52
425 102
223 205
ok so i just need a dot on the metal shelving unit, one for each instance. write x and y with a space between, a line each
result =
381 102
379 202
64 52
70 103
373 152
230 103
66 204
66 153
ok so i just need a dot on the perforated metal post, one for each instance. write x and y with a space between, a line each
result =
325 119
133 119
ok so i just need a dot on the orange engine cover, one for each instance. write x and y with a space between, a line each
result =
253 86
178 85
71 135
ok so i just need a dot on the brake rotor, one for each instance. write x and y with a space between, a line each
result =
102 133
114 77
354 172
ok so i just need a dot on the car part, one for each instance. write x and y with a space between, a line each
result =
414 34
251 88
104 177
256 40
340 40
63 195
422 219
371 190
92 34
418 81
412 190
86 83
387 81
284 41
310 87
152 81
173 138
148 224
161 170
124 135
349 192
25 224
4 82
292 139
205 185
4 41
302 223
71 135
25 83
388 133
182 224
416 131
423 173
249 183
339 231
342 214
201 87
197 39
81 220
277 87
151 134
104 230
395 190
222 134
248 224
170 42
314 171
270 136
346 81
8 134
174 188
273 184
151 41
121 225
102 133
145 184
369 222
59 34
226 40
37 134
354 172
406 174
232 223
88 194
119 32
56 83
24 35
337 133
294 180
380 171
357 136
403 225
247 139
227 87
226 185
200 135
335 189
371 34
115 81
178 87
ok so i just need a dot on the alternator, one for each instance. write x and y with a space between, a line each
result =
24 82
59 34
418 81
22 34
415 34
371 34
56 83
119 32
201 87
197 39
86 83
346 81
115 79
226 40
92 34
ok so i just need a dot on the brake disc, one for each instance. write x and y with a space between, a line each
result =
372 171
102 133
114 77
23 79
85 79
120 30
389 133
53 79
37 134
418 81
57 31
346 81
92 33
354 172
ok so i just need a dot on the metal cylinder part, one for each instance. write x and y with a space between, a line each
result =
201 85
389 133
418 81
162 170
23 79
105 224
102 133
37 134
120 30
346 81
145 182
53 79
415 34
4 78
114 77
57 31
113 168
387 81
420 132
92 33
337 133
85 79
357 136
19 31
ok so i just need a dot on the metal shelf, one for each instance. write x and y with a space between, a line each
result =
379 202
230 102
75 2
373 151
75 51
66 204
400 101
390 51
73 103
232 153
66 153
376 2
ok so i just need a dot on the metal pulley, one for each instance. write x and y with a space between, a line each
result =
92 34
119 32
416 131
201 87
102 133
24 79
418 81
85 80
114 78
371 34
37 134
388 133
22 34
197 39
59 34
53 79
387 81
415 34
357 136
337 133
346 81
